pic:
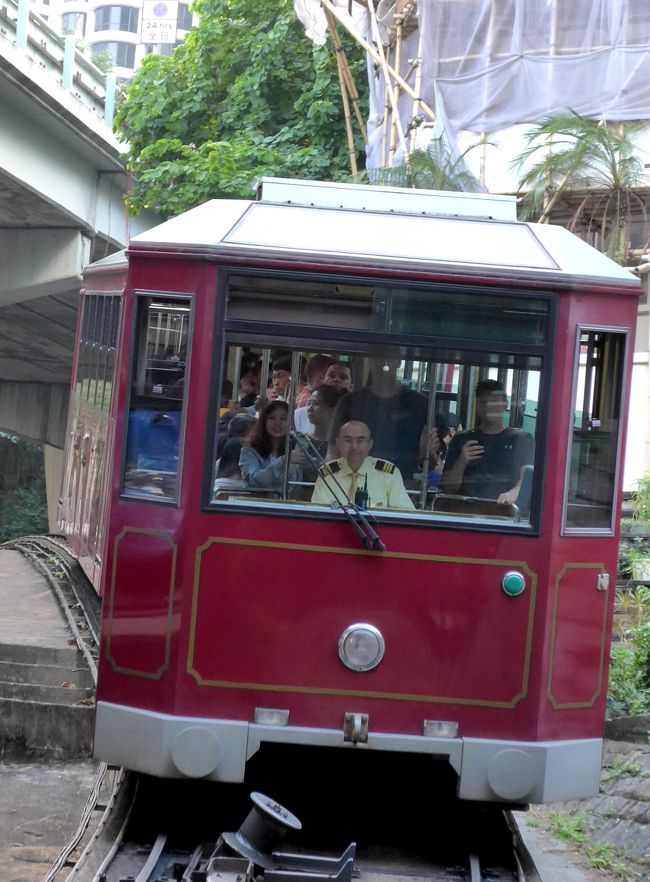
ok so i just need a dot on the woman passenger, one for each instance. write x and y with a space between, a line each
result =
261 461
320 411
228 475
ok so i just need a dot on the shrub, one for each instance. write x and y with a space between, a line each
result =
22 488
629 672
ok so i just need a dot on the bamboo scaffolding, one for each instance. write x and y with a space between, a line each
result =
347 73
374 54
386 116
399 19
385 68
354 96
415 120
349 134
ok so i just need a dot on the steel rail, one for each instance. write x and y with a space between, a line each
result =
35 548
47 554
75 839
154 856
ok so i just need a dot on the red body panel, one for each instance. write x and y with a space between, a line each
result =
209 614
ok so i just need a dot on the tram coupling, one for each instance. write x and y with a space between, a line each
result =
252 852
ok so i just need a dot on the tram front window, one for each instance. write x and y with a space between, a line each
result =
343 392
377 429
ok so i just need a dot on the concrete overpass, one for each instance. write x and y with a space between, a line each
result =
62 183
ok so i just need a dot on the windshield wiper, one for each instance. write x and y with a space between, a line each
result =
354 513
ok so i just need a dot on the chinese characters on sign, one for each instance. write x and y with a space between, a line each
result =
159 19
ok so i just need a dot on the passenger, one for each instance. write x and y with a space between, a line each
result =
226 397
339 375
447 425
359 478
488 462
397 418
228 474
249 388
238 425
320 411
437 461
314 375
262 457
280 379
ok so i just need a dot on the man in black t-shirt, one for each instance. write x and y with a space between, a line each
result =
396 416
489 461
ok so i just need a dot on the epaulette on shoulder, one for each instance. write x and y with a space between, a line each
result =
382 465
329 468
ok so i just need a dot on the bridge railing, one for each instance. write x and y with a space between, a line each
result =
58 56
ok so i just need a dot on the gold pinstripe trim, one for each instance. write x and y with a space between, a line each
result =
394 696
558 705
131 672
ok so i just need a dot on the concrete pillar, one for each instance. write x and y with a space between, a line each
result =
39 263
53 457
21 23
68 60
109 100
38 411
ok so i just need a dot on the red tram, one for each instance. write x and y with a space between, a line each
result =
469 626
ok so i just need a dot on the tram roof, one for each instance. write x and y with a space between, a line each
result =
382 226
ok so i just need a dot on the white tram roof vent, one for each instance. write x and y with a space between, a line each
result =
399 200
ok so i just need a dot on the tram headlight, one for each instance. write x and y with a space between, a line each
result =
361 647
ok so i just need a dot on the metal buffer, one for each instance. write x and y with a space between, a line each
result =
252 852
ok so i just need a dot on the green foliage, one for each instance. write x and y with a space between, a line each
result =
641 501
624 771
636 550
593 158
103 60
435 168
246 94
573 828
570 828
24 512
603 856
629 671
22 488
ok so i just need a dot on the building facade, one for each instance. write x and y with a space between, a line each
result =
114 32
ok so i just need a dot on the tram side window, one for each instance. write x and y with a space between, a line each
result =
97 345
377 428
595 438
157 397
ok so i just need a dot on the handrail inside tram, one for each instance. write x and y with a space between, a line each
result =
475 506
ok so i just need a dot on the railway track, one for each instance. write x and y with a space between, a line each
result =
165 856
136 829
112 791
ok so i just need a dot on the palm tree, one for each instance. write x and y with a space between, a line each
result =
435 167
591 158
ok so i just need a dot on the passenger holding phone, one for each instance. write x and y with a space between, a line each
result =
488 462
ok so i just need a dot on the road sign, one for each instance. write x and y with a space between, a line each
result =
159 21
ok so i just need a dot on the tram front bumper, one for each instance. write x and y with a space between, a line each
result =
488 770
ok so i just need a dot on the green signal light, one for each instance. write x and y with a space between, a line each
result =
513 583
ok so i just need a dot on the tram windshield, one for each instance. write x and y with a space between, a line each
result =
427 404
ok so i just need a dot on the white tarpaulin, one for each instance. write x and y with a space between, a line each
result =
310 13
490 64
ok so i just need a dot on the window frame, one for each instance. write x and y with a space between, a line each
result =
137 297
94 348
103 18
565 528
274 335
